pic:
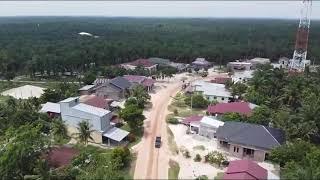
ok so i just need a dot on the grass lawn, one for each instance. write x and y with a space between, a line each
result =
3 98
172 144
182 108
173 169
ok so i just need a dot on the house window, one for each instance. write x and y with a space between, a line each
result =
222 99
234 149
215 97
237 149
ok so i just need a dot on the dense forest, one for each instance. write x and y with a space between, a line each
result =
30 44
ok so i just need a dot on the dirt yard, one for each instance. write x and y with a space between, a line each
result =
201 145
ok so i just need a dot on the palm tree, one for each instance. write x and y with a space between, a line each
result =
84 132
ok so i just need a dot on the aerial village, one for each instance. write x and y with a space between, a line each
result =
185 119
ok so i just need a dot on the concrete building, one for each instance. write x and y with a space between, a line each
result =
73 112
212 91
52 109
201 63
115 89
242 76
144 63
259 61
147 83
249 141
237 65
208 126
86 90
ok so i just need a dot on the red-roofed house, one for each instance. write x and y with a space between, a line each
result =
96 101
244 108
145 63
245 169
141 80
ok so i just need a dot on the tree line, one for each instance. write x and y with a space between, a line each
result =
51 44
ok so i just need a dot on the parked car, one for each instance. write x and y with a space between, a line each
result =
158 142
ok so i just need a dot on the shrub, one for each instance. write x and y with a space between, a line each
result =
202 177
215 157
172 120
197 158
186 154
131 138
175 112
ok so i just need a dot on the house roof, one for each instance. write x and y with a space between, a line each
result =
252 135
211 121
244 108
100 81
24 92
192 118
96 101
120 82
142 62
50 107
86 87
211 89
148 82
91 109
116 134
135 78
160 61
245 169
69 99
201 61
221 80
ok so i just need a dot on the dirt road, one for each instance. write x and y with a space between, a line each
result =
152 163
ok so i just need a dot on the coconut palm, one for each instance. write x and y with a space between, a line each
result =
84 132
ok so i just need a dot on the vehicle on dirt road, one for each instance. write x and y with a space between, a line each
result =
158 142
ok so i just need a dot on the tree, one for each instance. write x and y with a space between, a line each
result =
141 95
197 100
89 77
295 151
132 114
58 129
238 89
84 132
232 116
20 151
261 115
121 155
50 95
308 168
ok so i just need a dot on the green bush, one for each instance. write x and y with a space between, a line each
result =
197 158
202 177
175 112
215 157
172 120
186 154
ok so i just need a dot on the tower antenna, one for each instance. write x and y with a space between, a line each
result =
299 60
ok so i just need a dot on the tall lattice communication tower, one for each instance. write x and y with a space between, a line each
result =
299 60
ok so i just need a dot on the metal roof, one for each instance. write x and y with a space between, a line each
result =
211 89
116 134
86 87
211 121
50 107
252 135
69 99
91 109
120 82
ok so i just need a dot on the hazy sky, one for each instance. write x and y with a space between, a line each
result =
253 9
